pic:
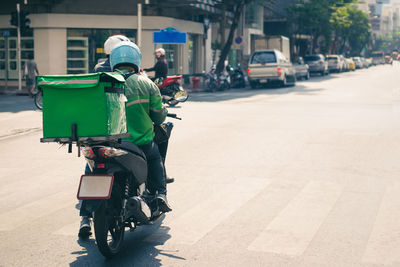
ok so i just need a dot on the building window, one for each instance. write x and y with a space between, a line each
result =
254 16
8 52
85 47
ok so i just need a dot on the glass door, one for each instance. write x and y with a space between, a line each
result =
8 54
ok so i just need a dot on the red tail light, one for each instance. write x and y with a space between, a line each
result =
278 69
88 153
248 70
102 152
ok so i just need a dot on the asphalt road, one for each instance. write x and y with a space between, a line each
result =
299 176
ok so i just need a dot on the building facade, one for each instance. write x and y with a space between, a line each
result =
67 36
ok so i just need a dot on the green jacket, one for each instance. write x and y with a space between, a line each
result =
143 108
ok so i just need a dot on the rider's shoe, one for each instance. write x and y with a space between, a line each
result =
169 180
163 203
85 229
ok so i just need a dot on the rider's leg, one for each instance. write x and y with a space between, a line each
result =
85 228
156 181
163 147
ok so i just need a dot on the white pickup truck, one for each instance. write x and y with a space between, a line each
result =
270 66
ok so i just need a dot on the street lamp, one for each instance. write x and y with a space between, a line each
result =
206 24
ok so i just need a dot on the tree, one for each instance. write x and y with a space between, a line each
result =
359 31
340 22
313 18
340 19
236 7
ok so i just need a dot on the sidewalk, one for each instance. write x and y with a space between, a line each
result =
12 90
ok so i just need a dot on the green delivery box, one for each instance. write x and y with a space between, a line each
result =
91 105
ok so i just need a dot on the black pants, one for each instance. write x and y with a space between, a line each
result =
155 166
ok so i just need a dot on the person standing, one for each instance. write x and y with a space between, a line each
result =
30 73
161 66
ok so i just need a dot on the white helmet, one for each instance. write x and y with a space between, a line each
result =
160 52
112 41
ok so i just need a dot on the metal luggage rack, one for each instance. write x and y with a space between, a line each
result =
81 141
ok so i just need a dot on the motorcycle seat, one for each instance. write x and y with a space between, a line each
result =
131 147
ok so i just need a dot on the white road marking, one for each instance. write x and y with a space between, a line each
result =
292 230
27 213
216 205
384 242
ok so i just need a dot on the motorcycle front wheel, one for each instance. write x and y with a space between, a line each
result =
109 231
38 99
181 95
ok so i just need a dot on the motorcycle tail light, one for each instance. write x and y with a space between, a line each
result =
88 153
109 152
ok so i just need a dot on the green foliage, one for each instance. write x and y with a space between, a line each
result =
337 21
388 42
359 31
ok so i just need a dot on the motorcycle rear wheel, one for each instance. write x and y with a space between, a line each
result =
109 231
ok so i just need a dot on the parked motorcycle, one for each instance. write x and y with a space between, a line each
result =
217 82
236 76
171 89
115 189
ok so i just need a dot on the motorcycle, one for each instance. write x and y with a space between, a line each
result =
114 190
171 90
237 76
217 82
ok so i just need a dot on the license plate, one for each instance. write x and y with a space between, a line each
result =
95 186
263 80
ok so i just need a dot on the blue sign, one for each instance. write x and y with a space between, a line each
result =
169 35
6 33
239 40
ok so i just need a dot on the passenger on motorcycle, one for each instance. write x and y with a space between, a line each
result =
143 109
161 66
108 46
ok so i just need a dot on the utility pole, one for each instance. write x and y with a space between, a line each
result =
19 48
139 23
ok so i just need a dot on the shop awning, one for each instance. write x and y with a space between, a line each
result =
207 5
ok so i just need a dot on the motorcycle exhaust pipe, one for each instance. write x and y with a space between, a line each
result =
138 209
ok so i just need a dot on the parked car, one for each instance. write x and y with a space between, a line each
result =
358 62
369 61
301 69
351 64
335 63
270 66
364 62
317 64
388 59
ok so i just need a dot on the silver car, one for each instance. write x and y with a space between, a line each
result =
317 64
